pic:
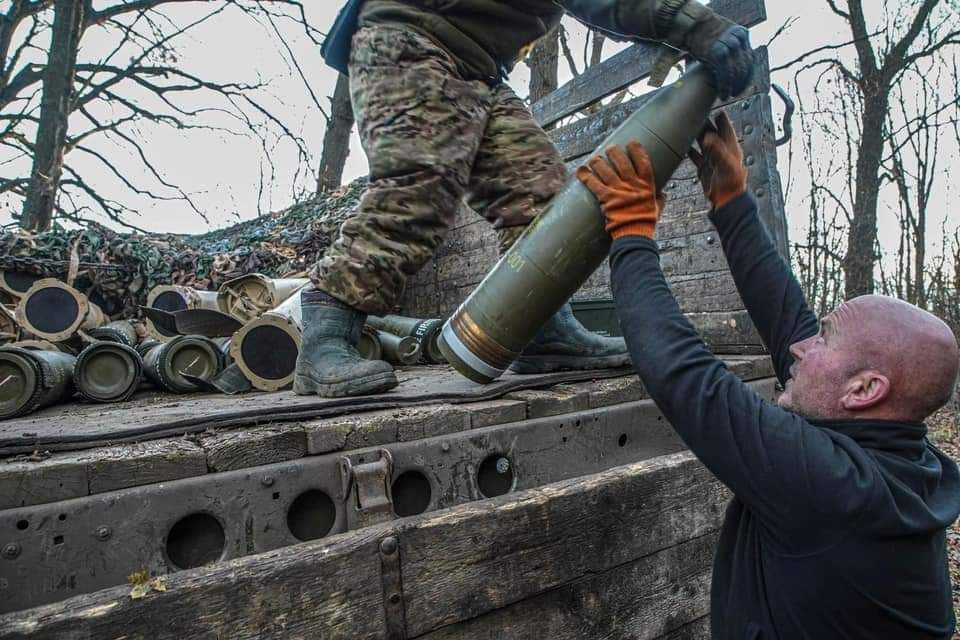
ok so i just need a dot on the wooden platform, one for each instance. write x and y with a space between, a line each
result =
278 430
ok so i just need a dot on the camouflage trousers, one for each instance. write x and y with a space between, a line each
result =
432 139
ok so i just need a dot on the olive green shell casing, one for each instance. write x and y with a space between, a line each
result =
107 372
567 242
196 356
427 332
120 331
31 380
369 344
399 350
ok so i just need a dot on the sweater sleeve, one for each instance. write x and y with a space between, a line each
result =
768 288
636 19
787 470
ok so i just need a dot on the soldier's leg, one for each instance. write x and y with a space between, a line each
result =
420 125
516 173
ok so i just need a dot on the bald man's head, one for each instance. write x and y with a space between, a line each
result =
875 357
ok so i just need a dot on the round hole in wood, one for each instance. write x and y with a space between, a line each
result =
411 494
195 540
311 515
622 440
495 476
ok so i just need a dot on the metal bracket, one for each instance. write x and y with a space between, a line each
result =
394 613
367 490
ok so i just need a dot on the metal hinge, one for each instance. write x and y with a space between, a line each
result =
367 490
394 614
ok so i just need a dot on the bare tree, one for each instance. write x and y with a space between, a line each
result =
336 137
139 81
54 112
544 64
883 54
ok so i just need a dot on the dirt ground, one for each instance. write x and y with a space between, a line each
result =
945 433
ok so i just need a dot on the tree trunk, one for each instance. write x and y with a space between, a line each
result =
543 63
336 138
54 112
859 261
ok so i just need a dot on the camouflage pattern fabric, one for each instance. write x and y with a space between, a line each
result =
281 244
432 139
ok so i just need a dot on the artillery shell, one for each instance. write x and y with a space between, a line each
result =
567 242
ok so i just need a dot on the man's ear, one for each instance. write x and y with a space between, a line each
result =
865 390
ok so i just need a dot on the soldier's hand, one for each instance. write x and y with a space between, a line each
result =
724 47
720 162
624 184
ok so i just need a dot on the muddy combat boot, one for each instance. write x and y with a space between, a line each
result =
564 343
329 364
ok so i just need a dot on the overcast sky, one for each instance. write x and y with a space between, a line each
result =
222 172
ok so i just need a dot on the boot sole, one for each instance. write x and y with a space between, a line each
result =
304 386
549 364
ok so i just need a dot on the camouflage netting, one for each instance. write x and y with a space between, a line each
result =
280 244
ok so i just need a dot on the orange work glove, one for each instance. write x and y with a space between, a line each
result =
720 167
626 190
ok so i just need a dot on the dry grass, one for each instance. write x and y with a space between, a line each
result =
945 433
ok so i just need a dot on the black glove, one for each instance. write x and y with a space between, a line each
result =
728 55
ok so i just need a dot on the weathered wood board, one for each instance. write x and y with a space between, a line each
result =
550 552
40 479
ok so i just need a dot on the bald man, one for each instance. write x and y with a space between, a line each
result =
837 526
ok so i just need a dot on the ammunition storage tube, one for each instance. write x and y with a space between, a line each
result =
108 372
31 380
196 356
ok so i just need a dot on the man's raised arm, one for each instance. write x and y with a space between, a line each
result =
768 288
688 25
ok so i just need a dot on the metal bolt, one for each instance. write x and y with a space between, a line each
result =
445 447
103 532
747 130
267 481
710 240
750 161
11 551
503 465
389 546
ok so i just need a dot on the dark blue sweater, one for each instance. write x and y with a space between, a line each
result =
837 528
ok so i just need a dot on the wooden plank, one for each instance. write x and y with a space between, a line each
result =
464 562
133 465
56 477
727 331
585 135
456 564
554 401
485 414
628 66
293 592
641 600
229 450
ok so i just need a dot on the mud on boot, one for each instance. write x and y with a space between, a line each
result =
329 364
564 343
